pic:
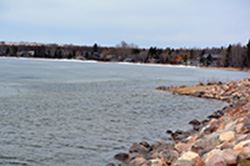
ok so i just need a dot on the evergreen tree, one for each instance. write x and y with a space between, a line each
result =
248 53
209 60
227 57
95 48
13 50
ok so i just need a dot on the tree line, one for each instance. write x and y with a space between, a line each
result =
235 55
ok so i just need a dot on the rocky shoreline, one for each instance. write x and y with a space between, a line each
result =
223 139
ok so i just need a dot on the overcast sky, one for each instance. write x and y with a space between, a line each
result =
161 23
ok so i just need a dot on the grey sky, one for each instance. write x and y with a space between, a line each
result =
162 23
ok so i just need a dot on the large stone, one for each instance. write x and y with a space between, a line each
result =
230 126
183 163
239 127
138 161
244 153
243 128
226 145
139 148
181 147
205 145
213 153
156 162
122 157
213 125
145 144
215 160
110 164
218 157
241 145
161 146
169 156
230 156
190 158
227 136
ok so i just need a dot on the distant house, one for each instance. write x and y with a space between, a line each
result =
193 62
128 60
25 53
210 59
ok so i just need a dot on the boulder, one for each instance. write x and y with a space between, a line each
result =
183 163
205 145
138 161
156 162
182 147
241 145
244 153
122 157
229 156
227 136
139 148
212 126
189 158
243 128
110 164
169 156
215 160
230 126
226 145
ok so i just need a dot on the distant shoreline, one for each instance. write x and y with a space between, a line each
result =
127 63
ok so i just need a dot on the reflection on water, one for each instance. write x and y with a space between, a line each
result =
60 113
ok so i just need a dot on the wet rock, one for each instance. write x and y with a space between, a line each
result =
194 122
205 145
110 164
215 115
244 153
227 136
139 148
145 144
156 162
213 125
161 146
169 156
122 157
179 135
182 147
138 161
229 156
204 122
215 160
169 132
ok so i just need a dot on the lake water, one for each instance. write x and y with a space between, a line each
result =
72 113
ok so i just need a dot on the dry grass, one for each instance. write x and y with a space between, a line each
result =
190 90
